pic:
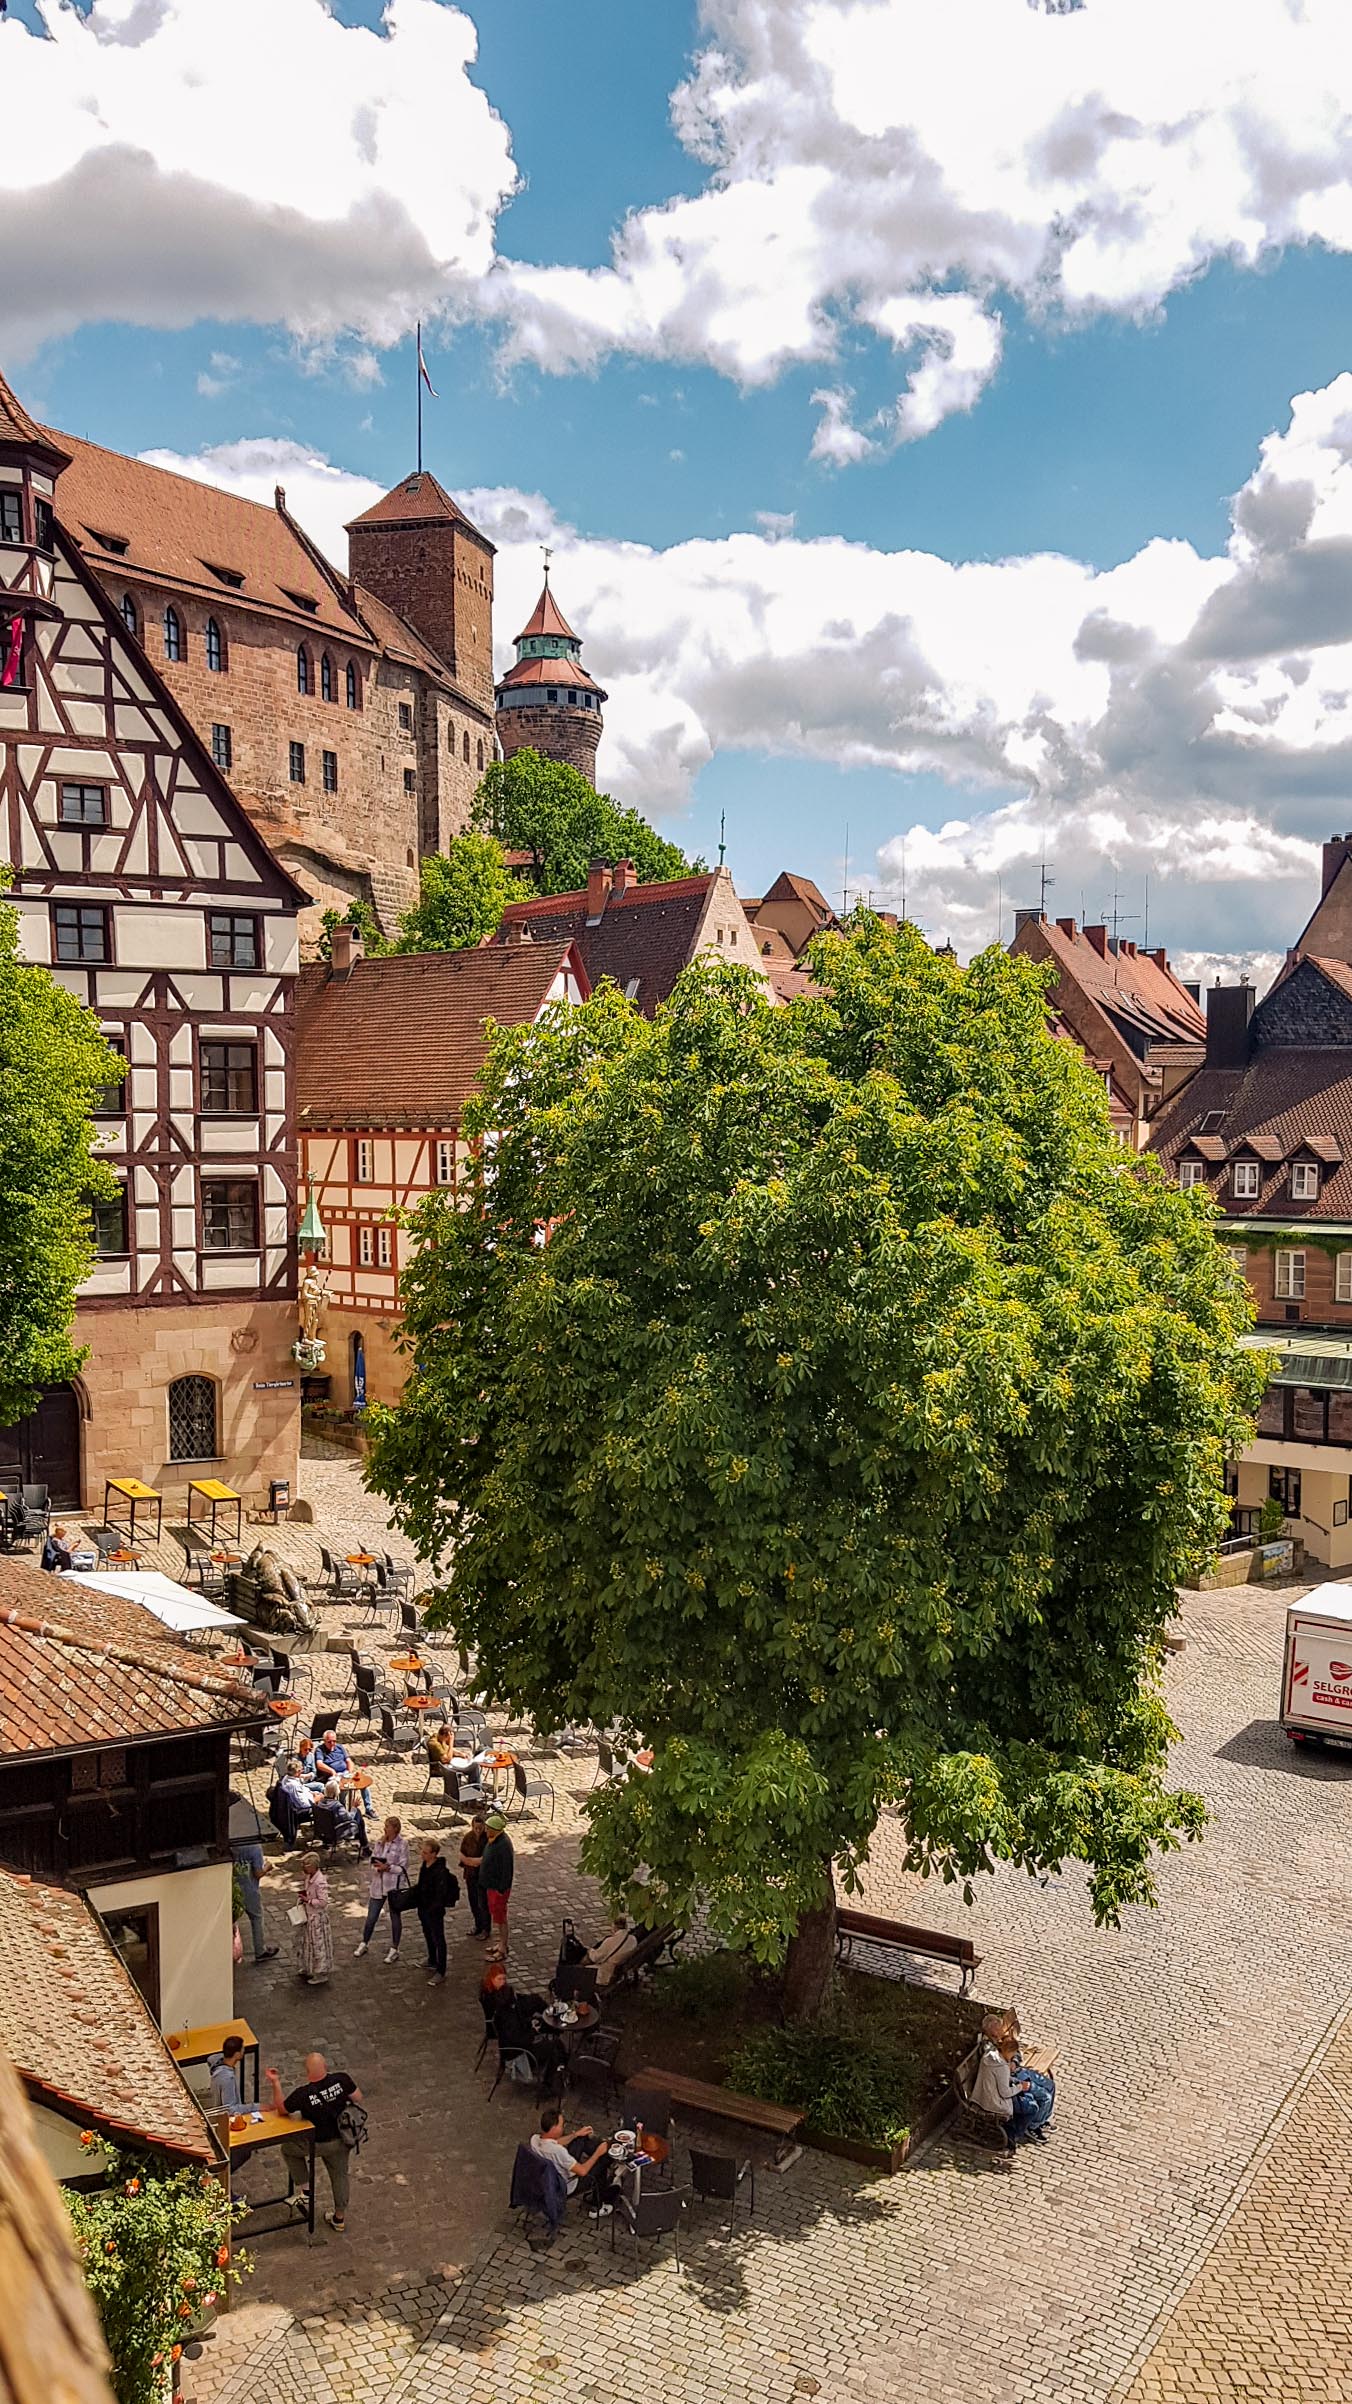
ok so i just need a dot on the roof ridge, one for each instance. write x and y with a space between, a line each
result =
126 1654
660 888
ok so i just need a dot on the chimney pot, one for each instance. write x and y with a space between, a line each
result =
1098 936
1228 1011
279 496
1160 958
624 877
344 952
1067 926
598 889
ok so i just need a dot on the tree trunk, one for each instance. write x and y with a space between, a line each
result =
812 1953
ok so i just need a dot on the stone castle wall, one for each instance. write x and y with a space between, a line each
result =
572 736
135 1355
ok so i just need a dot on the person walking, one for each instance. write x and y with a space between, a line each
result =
320 2100
387 1882
497 1869
250 1866
314 1936
435 1893
472 1845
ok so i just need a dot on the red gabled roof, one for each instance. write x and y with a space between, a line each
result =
400 1042
547 618
80 1668
552 672
787 886
418 500
16 426
1137 990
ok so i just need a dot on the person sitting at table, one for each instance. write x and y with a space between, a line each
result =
56 1549
309 1762
334 1823
289 1804
578 2159
224 2069
334 1761
613 1950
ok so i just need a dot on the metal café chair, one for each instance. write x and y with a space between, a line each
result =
719 2178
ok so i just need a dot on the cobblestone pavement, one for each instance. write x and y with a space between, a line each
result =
1120 2261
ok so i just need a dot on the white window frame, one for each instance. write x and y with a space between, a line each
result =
363 1161
443 1160
1342 1277
1288 1276
1245 1180
1305 1181
366 1247
384 1247
1191 1173
1239 1259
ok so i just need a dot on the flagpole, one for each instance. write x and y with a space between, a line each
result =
417 378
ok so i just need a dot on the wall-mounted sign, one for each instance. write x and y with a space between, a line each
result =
273 1385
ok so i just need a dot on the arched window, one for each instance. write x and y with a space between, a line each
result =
192 1420
450 734
173 635
215 647
481 759
303 678
326 691
353 688
129 613
465 753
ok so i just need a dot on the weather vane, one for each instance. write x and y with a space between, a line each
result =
548 556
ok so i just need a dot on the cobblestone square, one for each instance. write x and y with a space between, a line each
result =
1180 2237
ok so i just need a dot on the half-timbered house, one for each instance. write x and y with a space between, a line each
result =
388 1053
144 887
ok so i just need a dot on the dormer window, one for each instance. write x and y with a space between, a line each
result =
305 601
117 544
1190 1173
1244 1180
1305 1181
304 678
234 577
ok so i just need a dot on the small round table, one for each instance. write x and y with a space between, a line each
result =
283 1706
409 1664
422 1702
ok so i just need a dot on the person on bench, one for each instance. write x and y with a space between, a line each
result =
613 1950
996 2089
1040 2082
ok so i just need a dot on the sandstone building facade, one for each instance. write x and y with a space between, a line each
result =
353 715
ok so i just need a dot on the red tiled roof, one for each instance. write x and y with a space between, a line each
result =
78 2031
1290 1100
80 1669
790 982
18 427
550 671
1137 990
643 939
173 527
417 500
787 886
547 618
401 1042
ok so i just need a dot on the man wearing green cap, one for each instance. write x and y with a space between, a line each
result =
496 1872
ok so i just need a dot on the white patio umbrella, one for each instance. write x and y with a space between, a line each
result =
175 1606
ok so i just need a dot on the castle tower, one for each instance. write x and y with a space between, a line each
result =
547 702
416 550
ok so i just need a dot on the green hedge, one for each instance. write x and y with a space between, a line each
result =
848 2085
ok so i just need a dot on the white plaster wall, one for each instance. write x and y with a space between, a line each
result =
196 1965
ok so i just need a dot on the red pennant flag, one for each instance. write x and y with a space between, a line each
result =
9 674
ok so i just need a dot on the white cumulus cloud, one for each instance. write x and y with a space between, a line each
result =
1178 718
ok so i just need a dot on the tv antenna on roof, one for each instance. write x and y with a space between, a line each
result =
1046 884
722 831
1120 917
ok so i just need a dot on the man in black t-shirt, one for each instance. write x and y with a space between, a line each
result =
320 2100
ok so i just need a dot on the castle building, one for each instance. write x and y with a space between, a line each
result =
547 702
353 715
147 891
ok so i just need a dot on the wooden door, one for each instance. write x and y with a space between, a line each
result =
45 1447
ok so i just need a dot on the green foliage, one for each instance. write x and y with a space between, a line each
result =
847 1438
548 809
463 893
155 2246
53 1063
1271 1518
847 2083
361 917
707 1986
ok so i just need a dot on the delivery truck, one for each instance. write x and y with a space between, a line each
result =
1317 1668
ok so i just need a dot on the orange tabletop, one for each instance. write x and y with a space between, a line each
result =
361 1560
423 1702
285 1709
408 1661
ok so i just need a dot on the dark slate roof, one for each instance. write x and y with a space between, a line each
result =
1291 1100
644 937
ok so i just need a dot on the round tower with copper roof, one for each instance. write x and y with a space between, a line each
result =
547 702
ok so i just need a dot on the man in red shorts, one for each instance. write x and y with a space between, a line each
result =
496 1872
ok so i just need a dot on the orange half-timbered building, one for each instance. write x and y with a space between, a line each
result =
388 1053
145 889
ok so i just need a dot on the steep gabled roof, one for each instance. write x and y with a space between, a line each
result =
418 500
1137 990
78 2031
789 887
19 429
401 1042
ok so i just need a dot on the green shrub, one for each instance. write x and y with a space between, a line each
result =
703 1988
847 2082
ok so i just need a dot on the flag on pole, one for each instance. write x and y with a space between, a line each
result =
422 367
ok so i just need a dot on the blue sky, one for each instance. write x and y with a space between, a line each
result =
1093 437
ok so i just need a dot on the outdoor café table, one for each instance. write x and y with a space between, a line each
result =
283 1706
422 1702
198 2044
130 1491
656 2148
273 2129
409 1664
568 2032
220 1498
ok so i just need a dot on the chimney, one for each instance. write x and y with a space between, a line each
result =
520 933
1067 926
1335 852
598 889
1228 1011
344 953
279 496
1160 958
1193 986
1026 918
1098 936
625 875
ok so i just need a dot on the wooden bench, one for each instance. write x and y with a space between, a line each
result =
897 1936
720 2103
996 2135
646 1956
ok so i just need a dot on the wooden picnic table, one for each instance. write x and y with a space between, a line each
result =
189 2045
